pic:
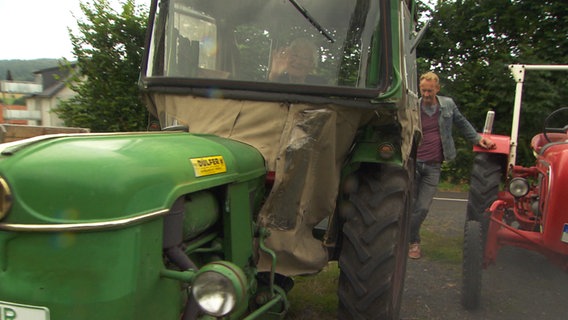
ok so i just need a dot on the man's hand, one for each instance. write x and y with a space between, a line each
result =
486 143
279 63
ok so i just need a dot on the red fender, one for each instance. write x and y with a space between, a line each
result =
502 144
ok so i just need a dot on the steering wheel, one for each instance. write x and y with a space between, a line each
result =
554 115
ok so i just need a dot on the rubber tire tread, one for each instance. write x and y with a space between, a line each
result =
486 176
472 265
375 245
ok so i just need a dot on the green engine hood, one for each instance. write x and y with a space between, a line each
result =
97 177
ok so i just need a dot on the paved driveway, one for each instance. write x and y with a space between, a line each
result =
521 285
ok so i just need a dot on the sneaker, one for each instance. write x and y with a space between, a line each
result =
414 251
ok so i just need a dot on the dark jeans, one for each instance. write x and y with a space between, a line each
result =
426 183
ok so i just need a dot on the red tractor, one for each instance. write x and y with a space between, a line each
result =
513 205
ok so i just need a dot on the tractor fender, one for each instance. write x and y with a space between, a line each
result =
502 144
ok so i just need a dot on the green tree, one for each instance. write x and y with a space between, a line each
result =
108 49
471 42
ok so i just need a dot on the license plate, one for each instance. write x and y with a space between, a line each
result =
14 311
565 233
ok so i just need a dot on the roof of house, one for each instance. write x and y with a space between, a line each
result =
53 80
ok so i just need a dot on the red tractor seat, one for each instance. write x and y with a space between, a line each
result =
539 141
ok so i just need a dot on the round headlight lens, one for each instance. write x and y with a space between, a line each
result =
519 187
219 287
214 293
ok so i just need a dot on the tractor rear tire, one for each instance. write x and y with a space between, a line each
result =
472 264
374 248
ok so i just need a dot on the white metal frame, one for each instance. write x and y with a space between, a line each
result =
518 72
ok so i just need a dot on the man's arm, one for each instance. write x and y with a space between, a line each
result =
469 131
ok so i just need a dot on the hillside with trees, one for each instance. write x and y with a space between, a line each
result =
22 70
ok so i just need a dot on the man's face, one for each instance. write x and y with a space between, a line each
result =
300 62
428 91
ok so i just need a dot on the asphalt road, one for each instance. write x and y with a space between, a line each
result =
521 285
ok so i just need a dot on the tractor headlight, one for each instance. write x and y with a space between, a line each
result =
519 187
219 287
5 198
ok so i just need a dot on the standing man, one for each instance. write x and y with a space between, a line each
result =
438 114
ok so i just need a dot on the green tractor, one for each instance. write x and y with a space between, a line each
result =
287 132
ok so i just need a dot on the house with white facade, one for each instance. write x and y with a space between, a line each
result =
45 101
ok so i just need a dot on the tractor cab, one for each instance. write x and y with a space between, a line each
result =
330 49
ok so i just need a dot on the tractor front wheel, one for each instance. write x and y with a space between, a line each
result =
484 184
472 264
375 243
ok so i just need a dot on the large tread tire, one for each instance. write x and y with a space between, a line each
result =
472 265
486 176
375 244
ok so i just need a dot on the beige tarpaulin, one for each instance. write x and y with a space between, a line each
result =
306 147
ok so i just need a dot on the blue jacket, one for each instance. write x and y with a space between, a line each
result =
450 115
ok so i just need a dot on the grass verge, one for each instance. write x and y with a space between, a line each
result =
443 249
315 297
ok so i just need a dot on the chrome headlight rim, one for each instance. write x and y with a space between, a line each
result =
519 187
219 287
5 198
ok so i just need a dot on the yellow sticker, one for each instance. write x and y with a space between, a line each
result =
208 165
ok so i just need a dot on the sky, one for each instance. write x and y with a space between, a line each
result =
35 29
